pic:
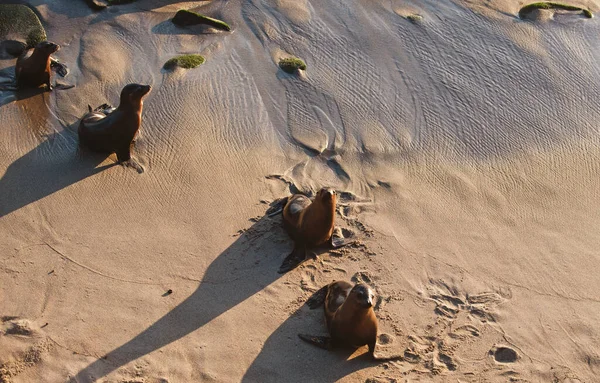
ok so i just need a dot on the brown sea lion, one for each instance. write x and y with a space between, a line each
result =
350 318
109 130
310 224
33 66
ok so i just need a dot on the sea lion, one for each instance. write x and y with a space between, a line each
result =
109 130
310 224
350 318
33 66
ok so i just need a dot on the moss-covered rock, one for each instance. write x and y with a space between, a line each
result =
184 18
184 61
415 19
291 64
526 10
19 22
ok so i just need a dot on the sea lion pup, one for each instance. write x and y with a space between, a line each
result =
350 318
109 130
33 66
310 224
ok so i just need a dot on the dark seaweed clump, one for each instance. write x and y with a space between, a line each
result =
184 18
523 12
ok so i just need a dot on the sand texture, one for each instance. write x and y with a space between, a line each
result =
463 141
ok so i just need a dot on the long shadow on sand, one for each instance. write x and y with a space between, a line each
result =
286 358
53 165
246 267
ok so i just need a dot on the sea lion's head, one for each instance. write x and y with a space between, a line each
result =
47 47
362 295
133 94
327 195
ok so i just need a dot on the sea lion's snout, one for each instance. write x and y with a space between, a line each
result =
146 89
364 296
48 46
327 193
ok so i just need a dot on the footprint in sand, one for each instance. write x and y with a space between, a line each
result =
504 354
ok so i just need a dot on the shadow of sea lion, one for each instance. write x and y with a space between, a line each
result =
286 358
53 165
246 267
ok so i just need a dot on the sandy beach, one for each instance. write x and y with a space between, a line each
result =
463 142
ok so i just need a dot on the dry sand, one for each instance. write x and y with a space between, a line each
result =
466 144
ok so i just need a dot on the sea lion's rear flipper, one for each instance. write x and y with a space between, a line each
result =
296 257
318 298
277 207
60 68
324 342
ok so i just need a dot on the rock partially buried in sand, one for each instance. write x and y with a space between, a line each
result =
184 18
184 61
98 5
291 65
19 22
532 11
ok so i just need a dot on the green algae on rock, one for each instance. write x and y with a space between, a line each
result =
19 22
184 18
414 18
184 61
523 12
291 64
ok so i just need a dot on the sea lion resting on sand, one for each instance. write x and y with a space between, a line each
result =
310 224
350 318
109 130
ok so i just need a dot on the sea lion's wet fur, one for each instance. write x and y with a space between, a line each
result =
309 223
109 130
33 66
350 317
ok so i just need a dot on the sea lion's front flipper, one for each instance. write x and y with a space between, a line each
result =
61 86
318 298
60 68
382 358
133 164
296 257
324 342
336 243
8 86
386 358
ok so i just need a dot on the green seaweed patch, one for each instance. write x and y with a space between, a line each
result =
184 61
184 18
19 21
523 12
292 64
414 18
